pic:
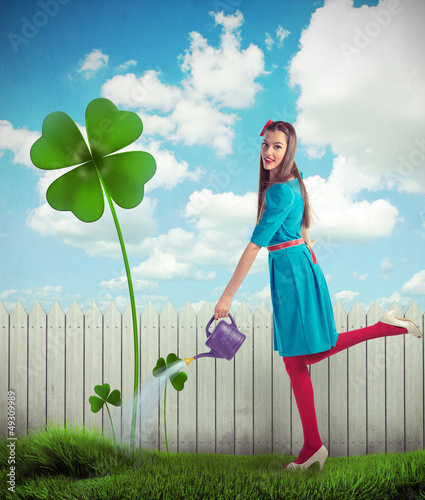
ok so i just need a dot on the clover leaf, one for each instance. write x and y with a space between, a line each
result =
178 378
121 175
114 398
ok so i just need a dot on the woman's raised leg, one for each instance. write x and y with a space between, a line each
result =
353 337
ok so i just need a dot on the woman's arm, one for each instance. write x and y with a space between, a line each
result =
222 307
305 235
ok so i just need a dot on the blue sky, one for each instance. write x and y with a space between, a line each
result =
205 76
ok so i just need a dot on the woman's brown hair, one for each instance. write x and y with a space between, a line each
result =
287 169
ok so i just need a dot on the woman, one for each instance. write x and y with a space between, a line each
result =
303 323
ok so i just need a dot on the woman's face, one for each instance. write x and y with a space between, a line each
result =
273 149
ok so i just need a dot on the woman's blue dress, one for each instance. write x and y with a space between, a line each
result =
303 320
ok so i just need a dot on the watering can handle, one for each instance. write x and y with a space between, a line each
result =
212 319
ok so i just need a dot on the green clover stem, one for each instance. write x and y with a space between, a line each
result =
133 312
165 420
113 432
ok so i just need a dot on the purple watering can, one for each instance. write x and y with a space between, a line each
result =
224 341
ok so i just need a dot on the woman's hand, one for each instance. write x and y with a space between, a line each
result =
222 307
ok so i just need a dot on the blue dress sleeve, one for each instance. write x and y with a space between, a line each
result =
279 199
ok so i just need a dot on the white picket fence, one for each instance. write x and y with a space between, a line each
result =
369 398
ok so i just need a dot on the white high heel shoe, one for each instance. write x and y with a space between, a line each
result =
389 318
319 456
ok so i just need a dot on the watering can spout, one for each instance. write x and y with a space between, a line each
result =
188 360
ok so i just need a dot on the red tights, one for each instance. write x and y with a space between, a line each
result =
297 369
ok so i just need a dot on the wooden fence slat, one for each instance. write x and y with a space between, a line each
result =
375 373
414 376
37 368
112 365
225 402
263 353
149 353
338 376
4 366
56 365
281 403
244 376
93 354
18 366
74 368
319 373
187 397
168 344
206 386
356 424
394 380
127 375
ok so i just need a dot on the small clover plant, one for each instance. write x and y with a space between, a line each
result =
97 174
177 379
105 397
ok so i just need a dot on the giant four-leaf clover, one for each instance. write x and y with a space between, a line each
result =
122 175
97 174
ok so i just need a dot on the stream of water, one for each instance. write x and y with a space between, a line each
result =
147 403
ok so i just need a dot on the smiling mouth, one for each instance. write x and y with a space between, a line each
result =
268 160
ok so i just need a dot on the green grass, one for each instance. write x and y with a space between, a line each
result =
74 463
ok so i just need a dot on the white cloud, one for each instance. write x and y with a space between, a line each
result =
269 42
386 266
97 238
93 62
146 92
124 66
169 171
47 295
341 218
164 266
281 34
386 302
359 277
122 301
214 81
120 283
190 255
346 296
227 74
369 105
18 141
416 284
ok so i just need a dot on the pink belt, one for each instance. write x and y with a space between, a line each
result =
292 243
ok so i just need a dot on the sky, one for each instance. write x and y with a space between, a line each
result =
205 76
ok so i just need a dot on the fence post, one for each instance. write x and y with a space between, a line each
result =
4 364
187 397
37 368
93 358
244 377
338 376
375 376
356 424
414 376
19 366
263 373
56 366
